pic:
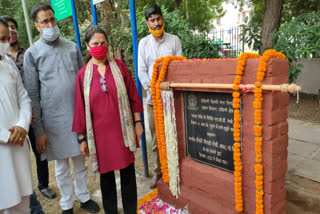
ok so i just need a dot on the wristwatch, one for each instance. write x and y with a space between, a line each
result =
137 121
82 140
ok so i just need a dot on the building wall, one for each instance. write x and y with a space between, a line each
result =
309 78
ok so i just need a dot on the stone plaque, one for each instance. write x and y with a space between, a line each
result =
209 128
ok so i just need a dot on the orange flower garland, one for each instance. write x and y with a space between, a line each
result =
236 130
158 109
147 198
257 105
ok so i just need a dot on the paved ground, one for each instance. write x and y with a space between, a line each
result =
304 149
303 177
302 180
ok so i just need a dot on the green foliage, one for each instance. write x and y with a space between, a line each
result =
193 45
299 38
83 14
13 8
200 13
142 4
251 34
114 17
291 8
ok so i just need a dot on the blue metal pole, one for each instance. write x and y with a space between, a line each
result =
94 13
75 23
135 53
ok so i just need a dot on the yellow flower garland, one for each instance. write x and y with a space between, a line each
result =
257 104
158 110
236 130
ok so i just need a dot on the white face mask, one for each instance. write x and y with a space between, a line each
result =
51 34
4 47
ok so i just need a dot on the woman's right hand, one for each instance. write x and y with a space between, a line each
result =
84 149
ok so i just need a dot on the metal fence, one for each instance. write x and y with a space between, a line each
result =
229 42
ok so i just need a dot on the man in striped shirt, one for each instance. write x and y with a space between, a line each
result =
156 45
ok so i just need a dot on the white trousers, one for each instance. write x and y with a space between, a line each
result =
21 208
64 181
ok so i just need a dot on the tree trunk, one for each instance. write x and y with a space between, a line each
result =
271 22
177 3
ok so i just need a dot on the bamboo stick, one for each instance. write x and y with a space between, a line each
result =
291 88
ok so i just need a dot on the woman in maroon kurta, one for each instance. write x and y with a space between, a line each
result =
112 152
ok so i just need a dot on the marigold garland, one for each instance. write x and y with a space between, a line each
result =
257 105
158 109
236 129
147 198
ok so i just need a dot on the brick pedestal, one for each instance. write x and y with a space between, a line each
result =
206 189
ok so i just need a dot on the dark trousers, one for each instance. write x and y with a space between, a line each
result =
128 191
42 166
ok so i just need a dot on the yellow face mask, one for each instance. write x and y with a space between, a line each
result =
157 33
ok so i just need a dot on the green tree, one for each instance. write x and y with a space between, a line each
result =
169 4
270 21
114 16
13 8
194 46
299 38
200 13
291 8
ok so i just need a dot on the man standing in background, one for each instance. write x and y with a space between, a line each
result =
154 46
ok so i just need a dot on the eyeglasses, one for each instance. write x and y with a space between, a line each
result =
103 84
47 21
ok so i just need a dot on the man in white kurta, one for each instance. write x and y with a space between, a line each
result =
15 167
154 46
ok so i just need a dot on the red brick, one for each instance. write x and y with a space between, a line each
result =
165 195
275 165
270 132
276 145
185 171
284 129
247 102
195 200
271 101
250 72
211 181
285 99
274 117
278 67
210 190
275 100
274 187
279 208
206 204
271 200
